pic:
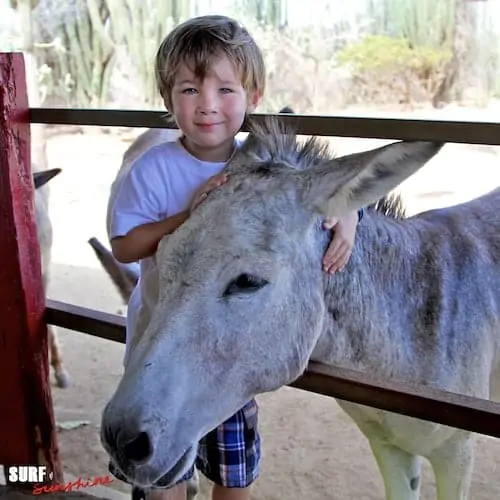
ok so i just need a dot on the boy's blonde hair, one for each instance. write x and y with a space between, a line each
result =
197 42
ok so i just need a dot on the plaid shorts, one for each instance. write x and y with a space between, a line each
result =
229 455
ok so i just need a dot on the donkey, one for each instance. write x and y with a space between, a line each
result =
44 234
125 277
243 302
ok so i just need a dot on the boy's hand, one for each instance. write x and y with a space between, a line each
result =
201 193
339 251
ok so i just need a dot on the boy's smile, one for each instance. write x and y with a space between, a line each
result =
206 127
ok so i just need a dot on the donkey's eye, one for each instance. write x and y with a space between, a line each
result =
245 283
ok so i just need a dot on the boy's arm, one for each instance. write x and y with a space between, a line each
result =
142 241
339 251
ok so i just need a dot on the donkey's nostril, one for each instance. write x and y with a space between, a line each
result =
138 449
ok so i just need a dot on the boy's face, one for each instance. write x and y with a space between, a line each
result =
210 112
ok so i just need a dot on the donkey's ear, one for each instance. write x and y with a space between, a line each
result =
254 147
350 182
41 178
257 145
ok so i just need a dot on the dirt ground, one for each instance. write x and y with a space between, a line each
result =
311 449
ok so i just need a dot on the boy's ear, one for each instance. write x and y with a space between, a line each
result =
254 99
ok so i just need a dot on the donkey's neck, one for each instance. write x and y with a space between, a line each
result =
371 303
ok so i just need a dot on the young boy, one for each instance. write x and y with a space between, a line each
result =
210 75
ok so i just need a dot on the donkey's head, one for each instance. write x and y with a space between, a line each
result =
241 295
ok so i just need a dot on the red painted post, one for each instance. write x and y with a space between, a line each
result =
27 425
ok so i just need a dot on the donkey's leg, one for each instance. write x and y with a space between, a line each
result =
400 470
452 464
62 377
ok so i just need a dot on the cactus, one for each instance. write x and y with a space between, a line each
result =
141 26
266 12
76 51
424 23
89 55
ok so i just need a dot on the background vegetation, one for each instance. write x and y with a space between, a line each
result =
397 53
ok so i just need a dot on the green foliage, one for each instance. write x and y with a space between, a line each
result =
415 51
380 63
376 52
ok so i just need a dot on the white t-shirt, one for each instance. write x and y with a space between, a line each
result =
159 184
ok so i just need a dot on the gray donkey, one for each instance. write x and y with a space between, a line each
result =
243 306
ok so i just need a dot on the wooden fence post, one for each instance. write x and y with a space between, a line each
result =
27 425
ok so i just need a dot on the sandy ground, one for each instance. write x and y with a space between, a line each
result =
311 448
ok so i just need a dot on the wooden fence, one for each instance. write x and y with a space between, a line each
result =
27 429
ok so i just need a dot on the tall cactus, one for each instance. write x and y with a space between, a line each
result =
38 139
88 55
266 12
423 23
74 49
140 27
275 10
181 10
24 8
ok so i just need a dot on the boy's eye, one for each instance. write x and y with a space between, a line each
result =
189 90
225 90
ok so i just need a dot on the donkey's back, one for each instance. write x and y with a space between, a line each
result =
463 291
475 216
444 333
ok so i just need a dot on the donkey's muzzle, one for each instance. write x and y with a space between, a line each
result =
128 444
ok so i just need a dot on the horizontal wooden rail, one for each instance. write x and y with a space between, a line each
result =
426 403
80 319
342 126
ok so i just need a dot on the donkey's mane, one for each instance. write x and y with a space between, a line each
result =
272 140
391 205
275 142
